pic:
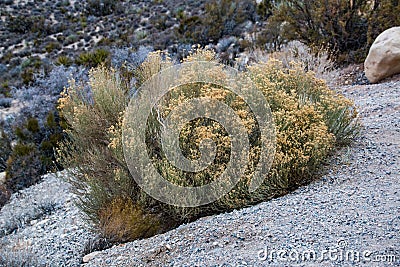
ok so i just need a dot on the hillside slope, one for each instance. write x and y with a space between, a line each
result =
353 208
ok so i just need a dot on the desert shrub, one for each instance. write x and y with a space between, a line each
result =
19 24
64 60
27 76
33 154
310 120
319 63
272 36
339 26
384 15
266 8
93 59
5 149
51 46
29 67
221 18
35 130
102 7
5 89
5 195
122 221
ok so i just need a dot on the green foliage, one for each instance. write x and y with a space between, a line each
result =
51 46
266 8
310 120
29 67
23 24
5 150
27 76
64 60
221 18
5 89
93 59
339 26
33 154
385 14
102 7
20 24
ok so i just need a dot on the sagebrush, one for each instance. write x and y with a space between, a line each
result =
310 121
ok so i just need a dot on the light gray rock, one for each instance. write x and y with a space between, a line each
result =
2 177
383 59
90 256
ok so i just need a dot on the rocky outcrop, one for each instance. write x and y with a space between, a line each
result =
384 56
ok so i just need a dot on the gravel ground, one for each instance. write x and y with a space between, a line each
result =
40 226
353 210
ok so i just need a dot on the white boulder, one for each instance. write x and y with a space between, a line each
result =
383 59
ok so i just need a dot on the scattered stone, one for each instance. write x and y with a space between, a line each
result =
90 256
2 177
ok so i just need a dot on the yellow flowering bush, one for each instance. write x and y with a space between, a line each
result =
310 121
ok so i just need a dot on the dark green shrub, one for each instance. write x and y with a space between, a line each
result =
339 26
23 167
33 154
29 67
5 150
5 89
64 60
385 14
50 47
266 8
19 24
102 7
5 195
93 59
27 76
221 18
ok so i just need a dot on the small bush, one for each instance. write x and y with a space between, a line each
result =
5 195
64 61
102 7
33 155
5 89
51 46
295 51
93 59
221 18
5 149
339 26
310 120
385 14
122 221
20 24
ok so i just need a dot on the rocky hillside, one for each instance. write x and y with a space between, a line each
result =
352 209
35 34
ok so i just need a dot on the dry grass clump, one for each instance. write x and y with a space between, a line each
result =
311 60
310 121
122 221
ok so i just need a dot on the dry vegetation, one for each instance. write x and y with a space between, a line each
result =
310 121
